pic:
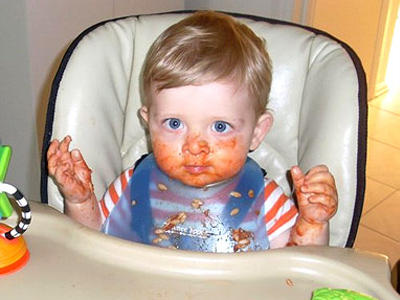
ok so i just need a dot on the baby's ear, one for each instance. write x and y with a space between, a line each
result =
261 129
144 113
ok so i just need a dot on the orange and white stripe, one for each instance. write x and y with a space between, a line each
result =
114 192
279 210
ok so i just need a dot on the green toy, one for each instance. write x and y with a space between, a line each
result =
339 294
14 253
5 206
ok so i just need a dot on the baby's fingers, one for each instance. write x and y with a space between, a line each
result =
81 168
322 177
317 169
53 157
78 161
58 149
323 195
64 145
52 164
319 188
77 157
52 148
329 204
322 199
297 176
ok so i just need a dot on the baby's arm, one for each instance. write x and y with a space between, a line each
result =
73 178
317 202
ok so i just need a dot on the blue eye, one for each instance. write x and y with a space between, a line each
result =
221 126
173 123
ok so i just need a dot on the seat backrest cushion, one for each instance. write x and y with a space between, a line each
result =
314 100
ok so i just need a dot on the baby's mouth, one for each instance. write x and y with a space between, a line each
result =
196 169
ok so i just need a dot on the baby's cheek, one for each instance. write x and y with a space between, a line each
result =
230 157
167 157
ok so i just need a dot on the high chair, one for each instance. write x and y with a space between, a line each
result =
318 100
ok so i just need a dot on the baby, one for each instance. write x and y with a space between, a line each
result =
206 82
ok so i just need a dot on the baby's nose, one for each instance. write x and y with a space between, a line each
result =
195 145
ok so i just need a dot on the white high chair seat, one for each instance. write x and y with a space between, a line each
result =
318 99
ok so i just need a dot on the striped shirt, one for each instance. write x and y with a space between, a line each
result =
277 211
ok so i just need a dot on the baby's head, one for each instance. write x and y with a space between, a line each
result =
206 82
208 47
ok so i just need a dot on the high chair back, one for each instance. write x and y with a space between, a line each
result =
318 100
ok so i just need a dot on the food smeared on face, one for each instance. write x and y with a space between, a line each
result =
219 163
201 134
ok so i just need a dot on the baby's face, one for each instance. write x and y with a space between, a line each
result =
201 135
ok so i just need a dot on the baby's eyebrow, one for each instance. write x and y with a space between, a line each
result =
165 115
239 121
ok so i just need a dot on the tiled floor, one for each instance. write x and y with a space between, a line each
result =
379 229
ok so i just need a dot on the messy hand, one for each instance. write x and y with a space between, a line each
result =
70 171
316 193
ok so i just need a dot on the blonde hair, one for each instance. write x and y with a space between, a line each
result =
206 47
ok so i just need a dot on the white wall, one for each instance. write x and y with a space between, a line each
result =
17 108
282 9
34 35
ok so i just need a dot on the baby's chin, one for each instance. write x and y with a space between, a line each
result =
196 181
200 181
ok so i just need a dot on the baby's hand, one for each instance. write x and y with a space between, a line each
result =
70 171
316 193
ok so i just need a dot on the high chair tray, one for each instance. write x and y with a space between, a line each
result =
70 261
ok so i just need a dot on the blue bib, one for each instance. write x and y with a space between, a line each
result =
225 217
